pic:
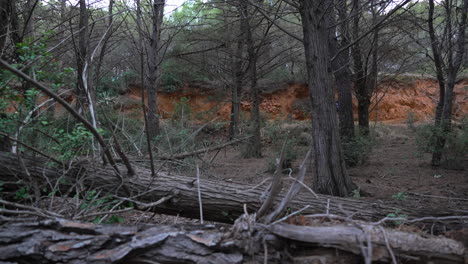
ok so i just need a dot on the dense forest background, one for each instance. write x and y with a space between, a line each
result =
115 111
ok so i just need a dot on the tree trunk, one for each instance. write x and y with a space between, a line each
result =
435 47
65 241
254 148
330 175
30 20
153 67
222 201
81 57
238 78
359 74
104 43
343 74
455 54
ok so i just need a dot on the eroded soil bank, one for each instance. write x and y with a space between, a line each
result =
393 101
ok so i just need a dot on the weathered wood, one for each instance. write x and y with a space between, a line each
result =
65 241
376 241
222 201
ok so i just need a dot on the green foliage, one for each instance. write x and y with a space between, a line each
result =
397 214
182 110
22 193
177 72
401 196
456 146
92 201
411 119
279 75
285 138
72 144
111 86
357 193
357 150
18 99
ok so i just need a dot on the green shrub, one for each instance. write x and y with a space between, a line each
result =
357 150
456 146
411 119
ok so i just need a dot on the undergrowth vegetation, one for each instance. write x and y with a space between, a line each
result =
455 151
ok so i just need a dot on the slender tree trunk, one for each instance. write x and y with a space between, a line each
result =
255 145
104 43
360 76
30 21
81 57
9 30
330 175
437 62
456 52
238 78
153 68
343 74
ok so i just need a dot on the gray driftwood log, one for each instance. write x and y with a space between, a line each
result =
64 241
222 201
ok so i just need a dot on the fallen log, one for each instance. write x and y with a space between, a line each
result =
65 241
222 201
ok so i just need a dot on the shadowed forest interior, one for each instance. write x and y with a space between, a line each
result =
233 131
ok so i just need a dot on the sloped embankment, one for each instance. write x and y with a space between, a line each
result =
393 101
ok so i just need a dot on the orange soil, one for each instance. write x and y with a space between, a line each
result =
392 102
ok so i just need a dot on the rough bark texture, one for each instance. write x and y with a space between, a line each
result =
81 57
238 79
455 54
64 241
343 75
153 67
365 79
105 41
330 175
222 201
9 30
254 148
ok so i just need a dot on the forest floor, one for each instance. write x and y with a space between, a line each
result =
395 173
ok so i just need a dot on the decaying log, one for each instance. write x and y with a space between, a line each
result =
65 241
222 201
380 243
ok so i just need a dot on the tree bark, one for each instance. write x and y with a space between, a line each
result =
30 20
65 241
455 54
438 62
365 79
222 201
153 67
81 57
360 78
254 148
104 43
343 76
330 175
238 79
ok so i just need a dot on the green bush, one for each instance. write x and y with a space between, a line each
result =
357 150
456 146
285 137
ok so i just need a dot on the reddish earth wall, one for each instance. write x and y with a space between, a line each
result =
393 102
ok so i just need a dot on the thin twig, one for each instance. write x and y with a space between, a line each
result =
291 214
199 195
387 244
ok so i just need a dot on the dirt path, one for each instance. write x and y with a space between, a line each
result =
397 173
